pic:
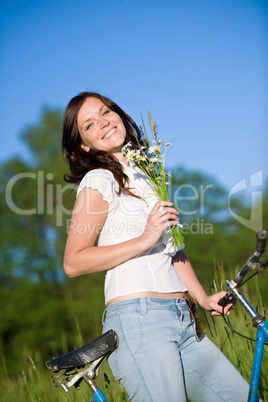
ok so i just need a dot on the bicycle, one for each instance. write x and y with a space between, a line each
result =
73 363
73 367
252 265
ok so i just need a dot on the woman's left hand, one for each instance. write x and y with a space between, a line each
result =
210 303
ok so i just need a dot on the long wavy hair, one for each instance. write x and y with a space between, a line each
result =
80 162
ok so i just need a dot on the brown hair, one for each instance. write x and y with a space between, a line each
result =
80 161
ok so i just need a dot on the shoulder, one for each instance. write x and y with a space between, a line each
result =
96 176
100 173
102 180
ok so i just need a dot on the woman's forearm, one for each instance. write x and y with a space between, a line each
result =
186 273
101 258
82 257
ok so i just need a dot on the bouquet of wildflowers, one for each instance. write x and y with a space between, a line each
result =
150 158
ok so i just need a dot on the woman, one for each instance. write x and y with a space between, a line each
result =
159 357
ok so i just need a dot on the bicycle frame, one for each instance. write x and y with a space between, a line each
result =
258 321
97 394
261 337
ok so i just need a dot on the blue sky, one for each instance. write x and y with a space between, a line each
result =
199 66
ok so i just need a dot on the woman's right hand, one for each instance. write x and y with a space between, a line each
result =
161 217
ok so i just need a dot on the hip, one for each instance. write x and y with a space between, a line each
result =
155 295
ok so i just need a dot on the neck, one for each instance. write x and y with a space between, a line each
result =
121 158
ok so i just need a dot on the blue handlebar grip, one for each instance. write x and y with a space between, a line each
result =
261 241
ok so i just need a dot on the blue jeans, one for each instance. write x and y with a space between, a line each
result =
159 358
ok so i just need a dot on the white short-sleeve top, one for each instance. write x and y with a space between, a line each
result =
127 216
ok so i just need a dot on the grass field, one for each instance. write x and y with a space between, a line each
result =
34 383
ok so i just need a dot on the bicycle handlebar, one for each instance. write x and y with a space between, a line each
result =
251 264
261 241
258 321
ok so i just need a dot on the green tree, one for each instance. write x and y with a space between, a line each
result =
33 217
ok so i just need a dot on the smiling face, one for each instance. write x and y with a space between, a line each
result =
100 128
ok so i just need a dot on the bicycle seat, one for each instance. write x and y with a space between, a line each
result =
99 347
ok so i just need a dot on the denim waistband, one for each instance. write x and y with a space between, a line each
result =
144 303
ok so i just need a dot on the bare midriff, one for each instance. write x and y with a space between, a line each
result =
173 295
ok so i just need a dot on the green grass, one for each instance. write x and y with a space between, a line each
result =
33 383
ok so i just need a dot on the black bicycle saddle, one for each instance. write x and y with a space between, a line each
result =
99 347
